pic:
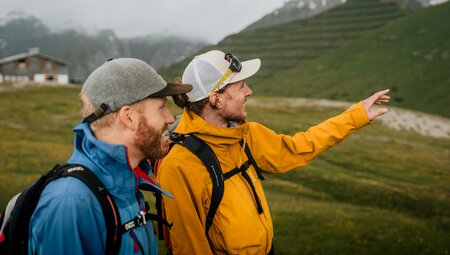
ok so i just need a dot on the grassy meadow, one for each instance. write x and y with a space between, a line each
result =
380 191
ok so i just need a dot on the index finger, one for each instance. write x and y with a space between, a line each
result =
382 92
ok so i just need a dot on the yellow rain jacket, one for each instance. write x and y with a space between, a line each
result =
238 228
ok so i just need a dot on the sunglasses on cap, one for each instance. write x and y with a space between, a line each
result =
235 66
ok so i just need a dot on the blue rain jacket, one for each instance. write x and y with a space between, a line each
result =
69 219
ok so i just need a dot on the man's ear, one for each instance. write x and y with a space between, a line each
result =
214 101
129 117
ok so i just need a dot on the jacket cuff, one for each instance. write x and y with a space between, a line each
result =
359 115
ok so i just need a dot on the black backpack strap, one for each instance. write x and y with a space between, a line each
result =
252 161
249 181
247 177
109 207
159 211
209 159
142 219
243 171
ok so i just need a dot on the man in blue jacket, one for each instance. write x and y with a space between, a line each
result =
123 103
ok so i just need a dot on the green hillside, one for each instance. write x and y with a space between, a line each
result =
379 192
352 50
283 46
410 55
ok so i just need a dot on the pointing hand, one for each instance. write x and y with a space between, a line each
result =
377 98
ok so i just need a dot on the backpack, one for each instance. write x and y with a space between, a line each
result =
15 219
200 149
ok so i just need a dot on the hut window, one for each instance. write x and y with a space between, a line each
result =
22 64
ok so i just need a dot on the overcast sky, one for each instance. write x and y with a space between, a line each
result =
210 20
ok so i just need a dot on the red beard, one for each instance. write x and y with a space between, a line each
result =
149 140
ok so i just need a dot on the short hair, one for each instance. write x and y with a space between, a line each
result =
87 108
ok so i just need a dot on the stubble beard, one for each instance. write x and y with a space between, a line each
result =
238 118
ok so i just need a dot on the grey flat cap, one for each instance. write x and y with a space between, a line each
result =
125 81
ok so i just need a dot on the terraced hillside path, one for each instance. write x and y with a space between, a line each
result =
397 118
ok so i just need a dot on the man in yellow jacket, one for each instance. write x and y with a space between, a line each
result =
214 111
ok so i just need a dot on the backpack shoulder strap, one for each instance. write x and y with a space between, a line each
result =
209 159
109 207
252 161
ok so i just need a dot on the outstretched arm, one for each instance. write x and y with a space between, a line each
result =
276 153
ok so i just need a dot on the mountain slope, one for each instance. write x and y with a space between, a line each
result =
283 46
302 9
350 51
293 10
410 55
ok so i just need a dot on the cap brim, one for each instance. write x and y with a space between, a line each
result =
172 89
249 68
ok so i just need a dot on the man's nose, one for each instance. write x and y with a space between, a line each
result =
170 118
248 91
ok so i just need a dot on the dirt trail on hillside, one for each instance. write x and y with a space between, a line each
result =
397 118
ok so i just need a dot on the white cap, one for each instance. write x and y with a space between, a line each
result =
206 70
